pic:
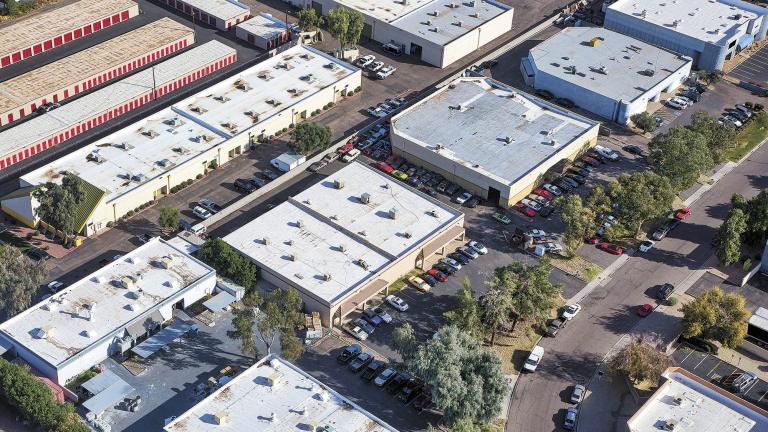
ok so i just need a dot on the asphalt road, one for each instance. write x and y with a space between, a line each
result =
539 401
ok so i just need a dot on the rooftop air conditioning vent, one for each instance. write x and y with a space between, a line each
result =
453 5
166 262
435 13
229 125
299 224
293 257
43 332
253 115
151 134
265 75
394 213
361 262
407 235
428 22
331 66
458 23
342 248
136 294
165 163
138 178
326 277
670 425
204 138
125 146
476 14
174 122
221 418
365 198
306 56
126 282
508 140
338 184
363 233
435 29
433 213
240 84
95 157
308 78
274 102
221 98
197 109
266 241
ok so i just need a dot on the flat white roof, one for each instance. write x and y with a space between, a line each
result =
276 396
44 126
28 31
706 20
258 93
264 25
223 9
619 67
338 230
696 407
126 159
384 10
64 315
472 120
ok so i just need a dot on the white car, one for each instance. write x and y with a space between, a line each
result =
376 112
378 310
532 204
201 212
364 61
451 262
397 303
607 153
358 333
375 66
350 155
536 233
646 245
553 189
55 286
462 198
570 311
677 103
385 72
478 247
553 247
532 362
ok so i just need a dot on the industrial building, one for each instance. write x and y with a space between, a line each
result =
607 73
493 140
23 94
707 31
145 160
78 116
264 31
345 239
687 402
275 395
44 31
222 14
434 31
108 311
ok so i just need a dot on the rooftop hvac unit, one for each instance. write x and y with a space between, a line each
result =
428 22
175 121
594 42
126 282
342 248
365 198
299 224
266 241
508 140
363 233
166 262
94 156
129 307
476 14
137 294
670 425
407 235
453 5
361 262
458 23
43 332
338 184
432 213
293 257
125 146
326 277
221 418
435 29
435 13
393 213
221 98
149 133
471 3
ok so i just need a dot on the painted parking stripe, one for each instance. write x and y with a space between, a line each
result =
701 361
713 369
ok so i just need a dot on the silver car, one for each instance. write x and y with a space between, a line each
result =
578 393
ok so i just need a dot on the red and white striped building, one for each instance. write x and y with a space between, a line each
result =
222 14
47 30
22 95
91 110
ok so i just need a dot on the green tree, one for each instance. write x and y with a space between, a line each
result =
536 295
717 316
12 6
308 137
468 425
19 279
243 322
738 201
497 310
639 361
681 155
639 197
579 221
757 218
229 263
718 136
291 347
58 203
309 20
710 77
281 312
644 121
345 25
729 237
466 380
404 342
466 314
169 218
598 201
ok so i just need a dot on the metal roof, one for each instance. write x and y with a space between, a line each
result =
223 9
264 25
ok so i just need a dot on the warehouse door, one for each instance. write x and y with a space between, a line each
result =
318 8
415 50
367 30
493 195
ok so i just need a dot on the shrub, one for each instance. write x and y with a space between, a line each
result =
214 164
350 93
130 213
229 263
284 130
37 232
110 224
331 104
358 88
199 176
189 182
291 126
673 301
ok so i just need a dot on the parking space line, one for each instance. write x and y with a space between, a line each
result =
761 396
714 367
687 355
701 361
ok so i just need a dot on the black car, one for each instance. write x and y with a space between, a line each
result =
410 390
489 64
363 324
398 382
269 174
579 171
431 281
431 192
546 210
472 202
371 316
665 291
563 185
555 326
577 178
350 352
315 166
635 150
445 268
244 185
595 155
373 370
38 254
359 362
452 189
459 257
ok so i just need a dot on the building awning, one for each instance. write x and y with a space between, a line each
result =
219 301
161 339
136 330
443 239
100 382
158 318
746 40
108 397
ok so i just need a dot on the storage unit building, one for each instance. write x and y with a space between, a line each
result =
708 31
50 129
607 73
287 161
145 160
22 95
47 30
434 31
264 31
222 14
108 311
493 140
345 239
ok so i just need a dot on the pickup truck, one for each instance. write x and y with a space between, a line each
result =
210 205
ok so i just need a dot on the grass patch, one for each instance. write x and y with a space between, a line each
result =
577 266
755 132
403 281
80 379
10 238
514 348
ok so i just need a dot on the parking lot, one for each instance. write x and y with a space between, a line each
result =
754 69
714 369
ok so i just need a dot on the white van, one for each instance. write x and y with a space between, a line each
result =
532 362
606 152
350 155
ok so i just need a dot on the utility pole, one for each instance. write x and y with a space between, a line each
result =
154 85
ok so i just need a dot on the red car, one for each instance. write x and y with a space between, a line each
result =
644 310
524 209
594 239
437 274
611 248
384 167
683 213
544 193
345 148
590 160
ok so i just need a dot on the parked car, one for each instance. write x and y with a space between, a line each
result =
468 252
445 268
397 303
555 327
209 205
607 153
545 193
668 226
677 103
383 166
532 362
589 160
384 72
358 363
372 317
665 291
578 178
363 324
462 198
471 203
551 247
502 218
570 182
419 283
635 150
392 48
646 245
357 332
55 286
554 190
350 352
478 247
742 382
611 248
644 310
459 258
396 383
373 370
38 254
570 418
570 311
531 204
427 278
350 155
384 377
244 185
683 213
144 238
451 262
410 390
399 175
437 274
383 314
364 61
376 112
201 213
524 209
578 393
563 185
